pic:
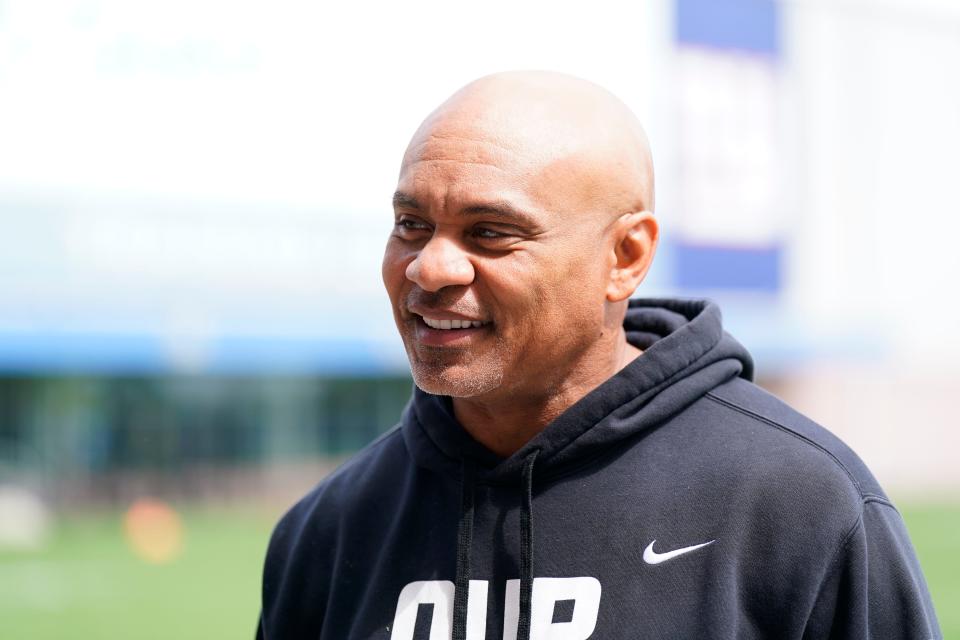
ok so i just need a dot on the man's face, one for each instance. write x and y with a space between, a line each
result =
488 237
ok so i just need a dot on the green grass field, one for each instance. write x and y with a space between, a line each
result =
87 583
935 531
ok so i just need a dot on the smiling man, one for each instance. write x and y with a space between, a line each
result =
534 227
575 463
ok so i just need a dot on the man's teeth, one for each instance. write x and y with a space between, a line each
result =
451 324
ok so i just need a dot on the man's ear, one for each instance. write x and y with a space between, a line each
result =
635 236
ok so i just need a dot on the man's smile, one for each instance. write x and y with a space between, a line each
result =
440 332
437 323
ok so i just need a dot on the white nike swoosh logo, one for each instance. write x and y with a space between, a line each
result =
652 557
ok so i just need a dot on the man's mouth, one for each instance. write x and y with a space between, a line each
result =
446 325
452 332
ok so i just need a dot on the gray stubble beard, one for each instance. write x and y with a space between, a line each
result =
433 377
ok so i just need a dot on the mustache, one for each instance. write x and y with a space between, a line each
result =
451 301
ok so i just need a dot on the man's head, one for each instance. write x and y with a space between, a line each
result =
523 213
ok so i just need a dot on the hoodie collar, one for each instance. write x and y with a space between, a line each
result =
686 353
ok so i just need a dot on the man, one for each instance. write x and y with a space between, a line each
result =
575 464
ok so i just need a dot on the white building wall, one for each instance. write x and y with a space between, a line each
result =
878 212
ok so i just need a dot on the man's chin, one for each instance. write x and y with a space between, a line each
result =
456 382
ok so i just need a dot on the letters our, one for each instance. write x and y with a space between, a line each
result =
583 591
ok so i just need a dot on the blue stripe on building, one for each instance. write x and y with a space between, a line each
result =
700 267
750 25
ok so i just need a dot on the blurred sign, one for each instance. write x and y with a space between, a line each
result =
729 226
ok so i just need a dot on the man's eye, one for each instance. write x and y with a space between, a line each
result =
487 234
409 224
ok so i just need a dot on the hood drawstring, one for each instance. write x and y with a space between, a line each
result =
465 542
526 548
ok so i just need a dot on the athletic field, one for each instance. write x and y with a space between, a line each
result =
88 582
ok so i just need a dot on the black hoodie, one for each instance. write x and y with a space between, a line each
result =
675 500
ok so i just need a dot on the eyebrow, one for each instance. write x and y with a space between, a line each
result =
499 208
401 199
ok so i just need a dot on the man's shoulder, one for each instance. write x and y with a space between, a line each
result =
746 460
306 543
754 435
775 434
373 469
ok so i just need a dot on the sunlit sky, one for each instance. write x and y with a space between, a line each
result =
201 169
291 101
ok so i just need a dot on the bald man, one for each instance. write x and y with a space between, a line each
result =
575 463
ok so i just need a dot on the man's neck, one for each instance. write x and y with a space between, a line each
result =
504 425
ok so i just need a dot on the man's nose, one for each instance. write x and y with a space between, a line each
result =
440 263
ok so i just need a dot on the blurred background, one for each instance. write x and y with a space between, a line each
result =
194 199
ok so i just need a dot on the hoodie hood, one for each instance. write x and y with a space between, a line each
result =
686 353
